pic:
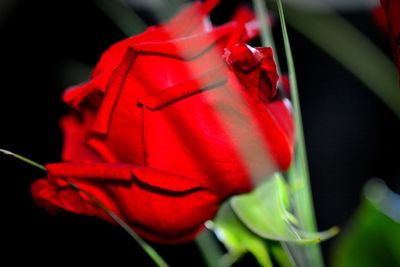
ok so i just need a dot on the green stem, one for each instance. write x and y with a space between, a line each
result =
301 154
299 173
145 246
209 248
24 159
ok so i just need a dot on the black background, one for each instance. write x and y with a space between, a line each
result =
351 136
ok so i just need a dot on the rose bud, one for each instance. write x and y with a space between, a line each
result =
172 122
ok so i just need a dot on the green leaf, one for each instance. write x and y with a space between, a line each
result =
373 237
266 212
279 254
238 239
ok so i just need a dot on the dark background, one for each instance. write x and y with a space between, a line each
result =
351 136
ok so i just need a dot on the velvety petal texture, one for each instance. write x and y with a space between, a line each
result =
172 122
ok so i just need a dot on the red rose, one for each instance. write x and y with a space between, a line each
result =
171 123
392 12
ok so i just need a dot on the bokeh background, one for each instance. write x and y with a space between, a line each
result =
47 45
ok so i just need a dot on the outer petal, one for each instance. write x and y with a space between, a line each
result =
148 69
189 21
176 207
54 197
159 205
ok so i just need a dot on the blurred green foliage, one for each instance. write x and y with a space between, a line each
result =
373 237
